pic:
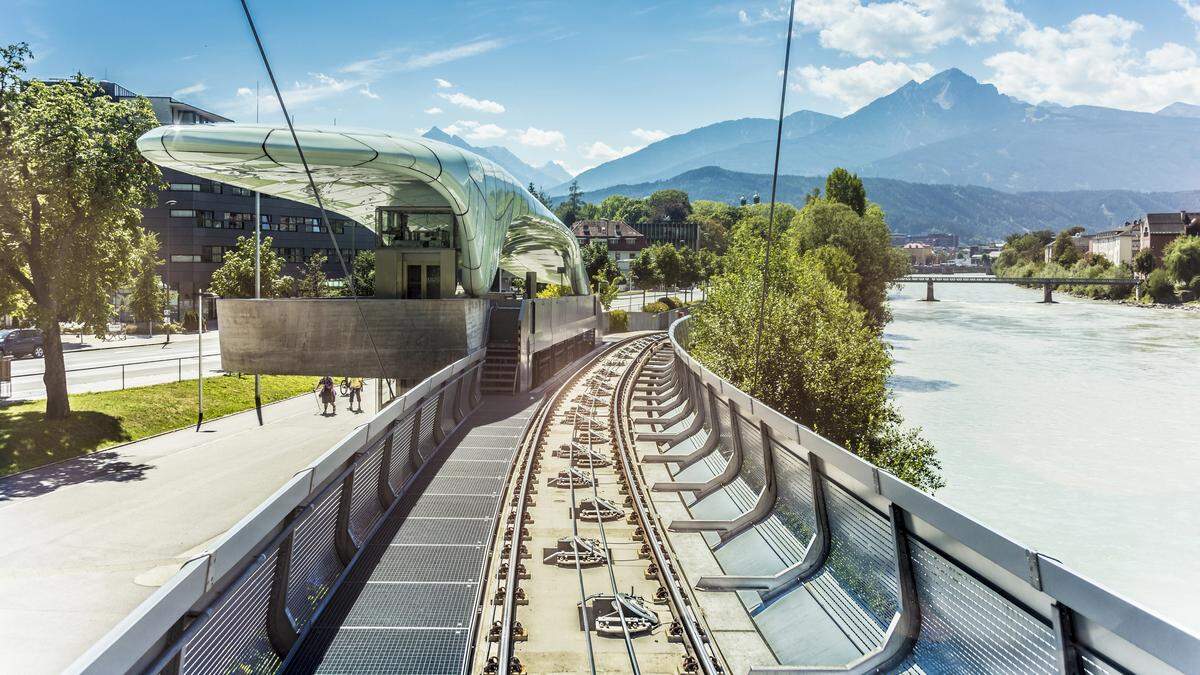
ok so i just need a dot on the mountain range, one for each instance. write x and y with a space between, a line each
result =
974 213
949 129
547 174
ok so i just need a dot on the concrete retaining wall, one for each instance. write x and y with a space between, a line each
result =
304 336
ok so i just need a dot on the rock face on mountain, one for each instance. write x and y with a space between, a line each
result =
546 175
953 129
974 213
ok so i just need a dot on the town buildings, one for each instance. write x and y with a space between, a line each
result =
1119 245
1157 230
918 253
199 220
624 242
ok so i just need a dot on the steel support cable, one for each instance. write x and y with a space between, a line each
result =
612 577
762 303
312 184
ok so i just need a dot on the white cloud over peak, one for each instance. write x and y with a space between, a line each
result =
433 111
649 135
541 138
463 101
604 152
899 28
442 84
1092 61
476 132
858 85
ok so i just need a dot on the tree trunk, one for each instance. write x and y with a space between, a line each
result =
58 406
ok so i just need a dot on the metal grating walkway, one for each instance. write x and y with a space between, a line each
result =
407 605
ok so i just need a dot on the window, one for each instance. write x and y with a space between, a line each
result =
240 191
339 226
185 187
294 224
317 228
416 229
183 213
208 219
293 255
215 254
238 221
184 258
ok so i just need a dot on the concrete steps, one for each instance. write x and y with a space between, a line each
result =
500 369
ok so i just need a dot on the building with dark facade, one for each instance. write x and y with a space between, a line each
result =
198 220
624 242
676 233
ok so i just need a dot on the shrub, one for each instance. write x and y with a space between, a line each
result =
656 307
672 302
1144 262
618 321
1181 259
1159 286
190 321
1194 286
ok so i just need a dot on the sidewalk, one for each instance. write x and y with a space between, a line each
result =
73 343
84 542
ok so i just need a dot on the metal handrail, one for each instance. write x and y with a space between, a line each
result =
1086 616
121 365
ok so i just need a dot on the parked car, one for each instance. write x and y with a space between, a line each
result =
20 342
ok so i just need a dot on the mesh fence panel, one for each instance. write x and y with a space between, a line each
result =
451 399
793 520
861 556
315 563
752 470
428 414
1093 665
401 453
234 639
725 435
364 500
967 627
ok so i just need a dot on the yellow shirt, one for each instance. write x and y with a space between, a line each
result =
356 383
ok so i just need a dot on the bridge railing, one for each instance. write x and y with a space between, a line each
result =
923 587
245 603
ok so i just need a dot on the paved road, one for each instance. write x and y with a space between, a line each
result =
635 301
177 360
85 541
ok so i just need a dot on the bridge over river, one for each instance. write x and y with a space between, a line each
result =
1047 283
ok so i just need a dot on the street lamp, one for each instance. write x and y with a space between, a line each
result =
200 296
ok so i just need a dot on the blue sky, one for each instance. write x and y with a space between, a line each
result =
582 82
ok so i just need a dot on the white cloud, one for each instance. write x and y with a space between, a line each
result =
433 111
604 152
858 85
474 131
482 105
899 28
245 91
1092 61
540 138
189 90
649 135
391 61
743 17
442 84
1192 9
366 91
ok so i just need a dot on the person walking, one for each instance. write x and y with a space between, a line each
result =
328 395
356 387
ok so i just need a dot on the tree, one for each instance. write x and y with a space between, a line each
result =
672 205
866 239
1159 286
597 263
709 264
541 196
669 264
827 367
148 297
613 206
569 211
607 290
838 267
1181 259
1064 252
72 184
845 188
312 277
362 273
716 221
644 271
1144 262
689 267
235 277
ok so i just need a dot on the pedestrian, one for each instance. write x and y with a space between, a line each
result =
328 395
356 387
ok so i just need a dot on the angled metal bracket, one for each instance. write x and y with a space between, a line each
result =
665 422
904 629
775 586
673 438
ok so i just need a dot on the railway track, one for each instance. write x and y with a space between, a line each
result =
580 578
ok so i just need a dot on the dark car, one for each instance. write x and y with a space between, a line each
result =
21 342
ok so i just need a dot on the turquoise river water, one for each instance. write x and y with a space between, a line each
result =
1072 428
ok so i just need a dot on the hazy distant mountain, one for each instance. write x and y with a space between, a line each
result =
545 175
974 213
1180 110
951 129
661 158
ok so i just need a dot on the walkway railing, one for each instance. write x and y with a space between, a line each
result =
243 605
920 586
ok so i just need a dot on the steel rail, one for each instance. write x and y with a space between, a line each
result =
533 434
695 635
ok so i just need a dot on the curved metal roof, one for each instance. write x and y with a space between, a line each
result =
357 171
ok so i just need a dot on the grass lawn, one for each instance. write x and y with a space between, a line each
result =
102 419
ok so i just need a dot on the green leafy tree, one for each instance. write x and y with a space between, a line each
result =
362 272
607 290
312 277
709 264
148 297
1023 248
72 184
235 277
570 210
1159 286
597 263
613 207
827 367
716 221
541 196
838 267
669 264
689 267
845 188
1064 252
672 205
644 271
866 239
1144 262
1181 259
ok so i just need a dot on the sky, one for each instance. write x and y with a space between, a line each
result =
582 82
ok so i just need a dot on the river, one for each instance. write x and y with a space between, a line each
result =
1071 428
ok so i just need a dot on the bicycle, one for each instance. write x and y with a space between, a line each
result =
344 386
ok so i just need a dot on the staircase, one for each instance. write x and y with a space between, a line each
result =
503 351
